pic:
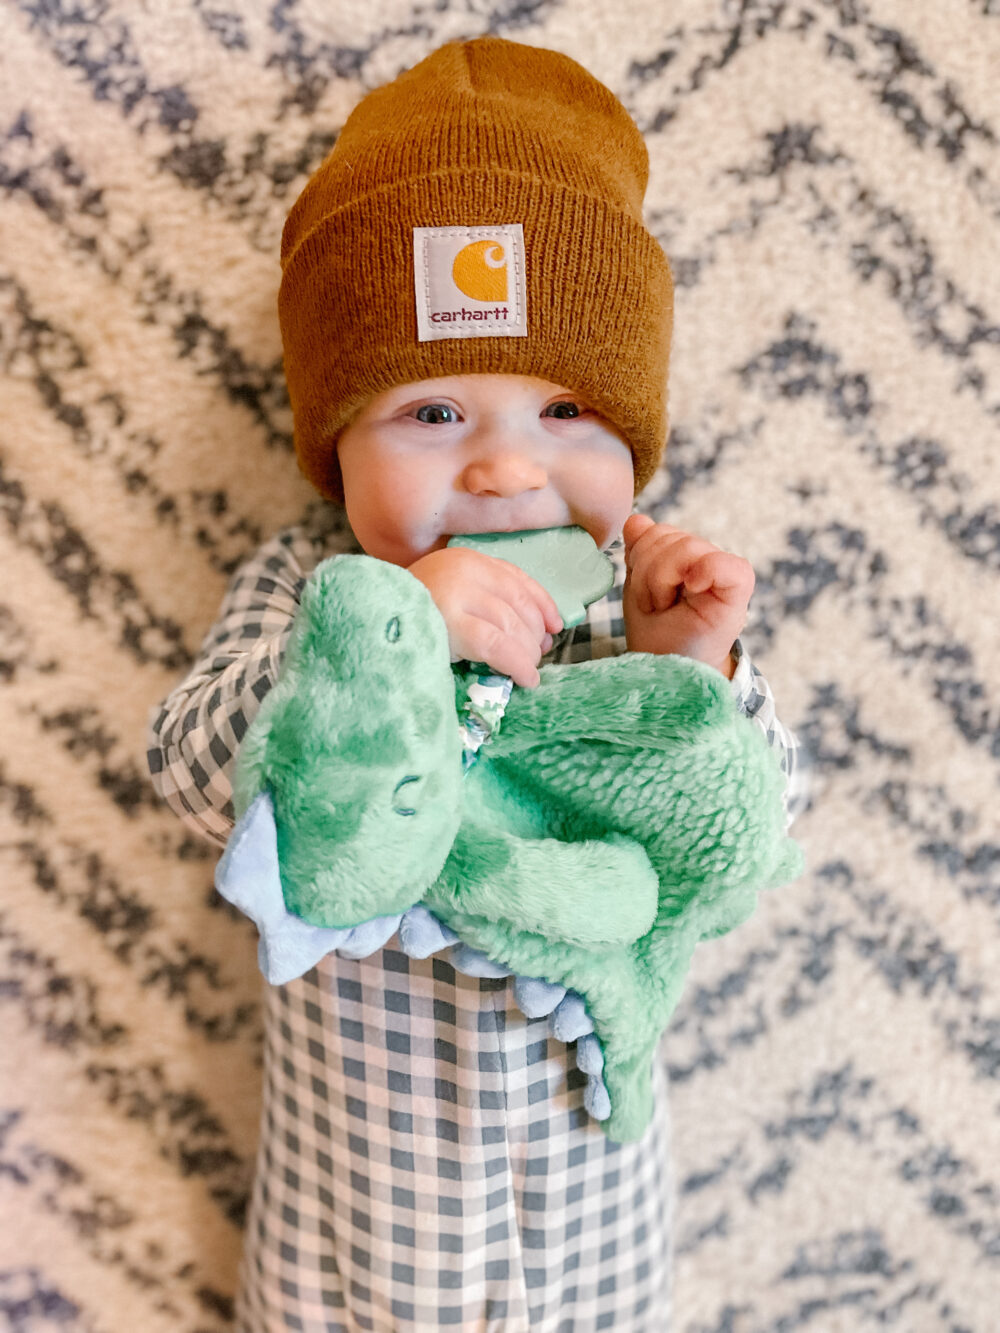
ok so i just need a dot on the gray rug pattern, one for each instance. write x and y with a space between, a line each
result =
825 177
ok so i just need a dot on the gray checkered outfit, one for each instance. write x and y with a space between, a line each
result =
425 1159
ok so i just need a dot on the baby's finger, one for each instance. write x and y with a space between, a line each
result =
666 563
497 635
728 577
532 602
634 526
655 534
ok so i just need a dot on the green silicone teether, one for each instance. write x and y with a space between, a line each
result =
565 561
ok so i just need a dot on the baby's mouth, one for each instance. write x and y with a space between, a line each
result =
503 527
511 525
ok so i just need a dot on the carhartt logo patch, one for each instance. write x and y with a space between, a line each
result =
470 282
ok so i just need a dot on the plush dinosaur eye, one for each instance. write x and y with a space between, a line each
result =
403 809
392 630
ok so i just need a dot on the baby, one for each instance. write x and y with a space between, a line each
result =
476 328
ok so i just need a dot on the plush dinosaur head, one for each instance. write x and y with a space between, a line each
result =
358 746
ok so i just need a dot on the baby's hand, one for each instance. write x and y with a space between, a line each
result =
682 594
495 612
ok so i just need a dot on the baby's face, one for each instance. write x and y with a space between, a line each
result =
480 453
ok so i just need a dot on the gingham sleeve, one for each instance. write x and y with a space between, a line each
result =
193 735
755 700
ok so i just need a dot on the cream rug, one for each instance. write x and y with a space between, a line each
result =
825 176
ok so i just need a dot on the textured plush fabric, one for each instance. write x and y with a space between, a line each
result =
825 178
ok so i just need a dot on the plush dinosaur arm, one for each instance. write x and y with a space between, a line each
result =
596 891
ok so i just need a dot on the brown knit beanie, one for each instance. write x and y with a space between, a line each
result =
480 213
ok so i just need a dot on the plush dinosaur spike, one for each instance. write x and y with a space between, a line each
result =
623 811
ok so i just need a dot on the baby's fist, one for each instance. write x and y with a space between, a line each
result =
683 594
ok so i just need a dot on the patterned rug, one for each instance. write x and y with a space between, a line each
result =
825 176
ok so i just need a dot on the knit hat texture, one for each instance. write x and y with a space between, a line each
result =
481 213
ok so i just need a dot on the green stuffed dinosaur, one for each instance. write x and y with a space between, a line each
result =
622 812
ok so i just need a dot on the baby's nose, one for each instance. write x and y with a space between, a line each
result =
504 475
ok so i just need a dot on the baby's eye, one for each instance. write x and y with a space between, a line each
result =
436 420
575 410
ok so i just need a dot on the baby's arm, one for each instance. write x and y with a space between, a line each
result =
683 594
193 735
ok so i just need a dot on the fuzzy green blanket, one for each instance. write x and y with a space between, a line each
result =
624 810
